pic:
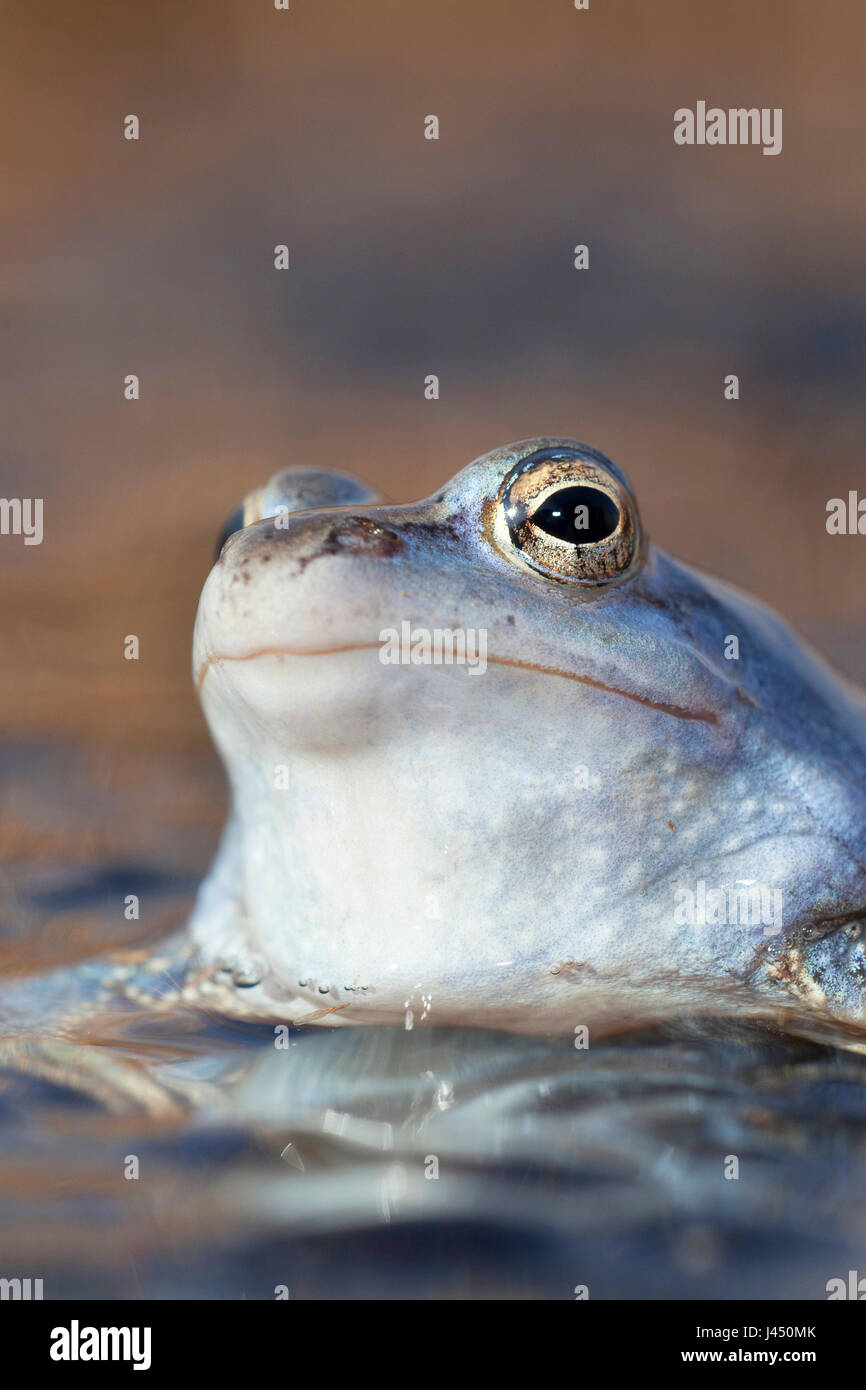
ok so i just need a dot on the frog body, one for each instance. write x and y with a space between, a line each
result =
497 760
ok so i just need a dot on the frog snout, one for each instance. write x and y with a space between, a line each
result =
358 535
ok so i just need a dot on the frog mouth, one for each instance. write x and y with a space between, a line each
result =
810 932
822 967
704 716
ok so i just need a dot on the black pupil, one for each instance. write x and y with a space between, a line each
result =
234 523
581 515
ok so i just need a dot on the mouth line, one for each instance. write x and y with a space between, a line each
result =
663 707
811 933
820 927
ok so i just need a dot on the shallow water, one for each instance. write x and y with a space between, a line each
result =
311 1165
307 1167
437 1162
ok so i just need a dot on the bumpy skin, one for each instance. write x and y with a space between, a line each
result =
414 837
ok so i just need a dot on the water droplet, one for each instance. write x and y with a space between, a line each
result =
248 972
409 1020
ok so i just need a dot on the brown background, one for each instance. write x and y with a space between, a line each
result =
411 257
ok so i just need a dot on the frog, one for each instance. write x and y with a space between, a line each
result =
496 760
648 800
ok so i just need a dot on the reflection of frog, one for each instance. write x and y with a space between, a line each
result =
516 849
542 847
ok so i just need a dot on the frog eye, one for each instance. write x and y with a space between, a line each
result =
568 516
249 510
233 523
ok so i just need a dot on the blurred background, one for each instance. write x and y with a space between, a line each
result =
408 257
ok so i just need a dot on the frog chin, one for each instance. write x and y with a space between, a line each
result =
409 833
380 875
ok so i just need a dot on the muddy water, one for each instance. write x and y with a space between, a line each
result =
376 1162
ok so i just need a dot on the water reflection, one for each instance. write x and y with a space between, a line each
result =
437 1162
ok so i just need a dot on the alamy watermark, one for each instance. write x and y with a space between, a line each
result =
22 516
738 125
747 904
77 1343
421 646
846 518
20 1290
854 1287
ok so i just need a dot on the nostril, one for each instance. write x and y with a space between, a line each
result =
362 534
355 535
